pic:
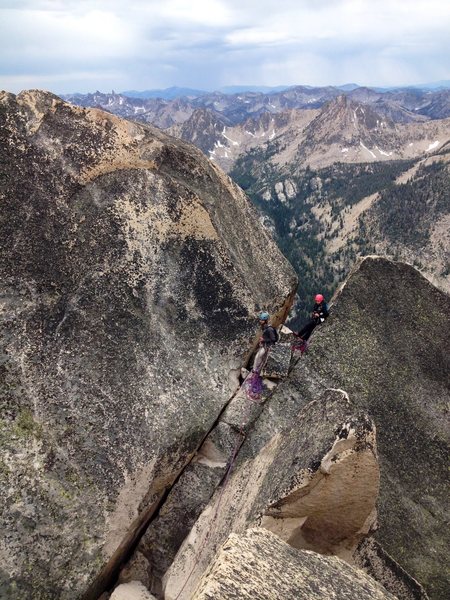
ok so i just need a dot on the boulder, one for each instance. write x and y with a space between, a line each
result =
131 591
386 343
308 474
132 272
258 564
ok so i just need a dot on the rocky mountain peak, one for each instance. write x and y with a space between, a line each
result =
203 128
349 121
132 272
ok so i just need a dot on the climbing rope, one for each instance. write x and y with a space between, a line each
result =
299 346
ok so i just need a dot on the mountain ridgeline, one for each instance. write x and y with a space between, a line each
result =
132 459
335 174
412 104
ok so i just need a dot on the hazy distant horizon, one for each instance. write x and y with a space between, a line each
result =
444 84
67 46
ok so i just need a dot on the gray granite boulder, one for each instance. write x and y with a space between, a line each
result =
132 270
309 475
259 565
386 343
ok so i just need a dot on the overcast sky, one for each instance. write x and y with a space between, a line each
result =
84 45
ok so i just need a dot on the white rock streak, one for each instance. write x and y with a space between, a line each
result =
229 139
383 152
370 151
432 146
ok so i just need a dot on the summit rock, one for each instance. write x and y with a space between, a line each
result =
131 275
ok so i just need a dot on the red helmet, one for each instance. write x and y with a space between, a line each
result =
319 298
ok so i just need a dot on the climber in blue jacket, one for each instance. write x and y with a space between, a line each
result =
269 337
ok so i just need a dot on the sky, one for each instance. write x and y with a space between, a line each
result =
68 46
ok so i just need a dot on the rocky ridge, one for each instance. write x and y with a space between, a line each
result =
118 371
220 124
369 348
131 276
342 131
307 469
224 142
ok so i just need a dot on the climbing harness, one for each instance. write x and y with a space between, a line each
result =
253 385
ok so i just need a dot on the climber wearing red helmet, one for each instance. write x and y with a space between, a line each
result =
319 313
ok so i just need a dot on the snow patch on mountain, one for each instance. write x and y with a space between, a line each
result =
229 139
365 148
433 146
383 152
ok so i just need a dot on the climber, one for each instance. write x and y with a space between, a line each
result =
319 313
268 338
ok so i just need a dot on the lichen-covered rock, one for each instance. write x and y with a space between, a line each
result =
311 477
132 269
259 565
386 343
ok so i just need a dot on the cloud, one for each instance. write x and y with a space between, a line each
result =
60 44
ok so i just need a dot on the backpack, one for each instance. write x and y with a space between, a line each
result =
277 335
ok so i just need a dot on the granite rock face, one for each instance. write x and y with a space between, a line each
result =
307 473
132 271
307 469
386 343
375 561
259 565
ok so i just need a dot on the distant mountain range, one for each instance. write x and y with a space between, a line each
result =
314 126
173 92
403 105
167 94
334 172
